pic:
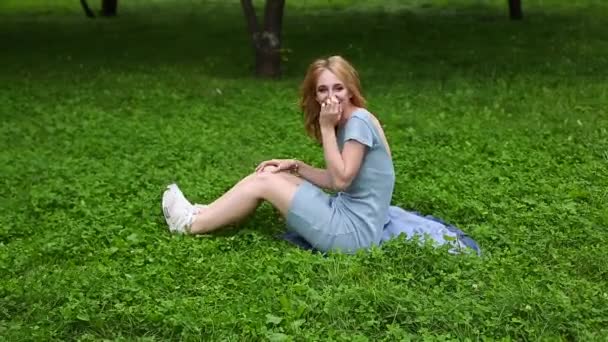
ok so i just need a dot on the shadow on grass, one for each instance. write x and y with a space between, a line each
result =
432 43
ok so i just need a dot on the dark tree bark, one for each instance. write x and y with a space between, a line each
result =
266 40
87 10
109 8
515 11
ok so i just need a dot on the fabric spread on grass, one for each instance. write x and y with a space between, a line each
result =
413 225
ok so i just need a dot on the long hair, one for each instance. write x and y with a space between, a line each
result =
308 90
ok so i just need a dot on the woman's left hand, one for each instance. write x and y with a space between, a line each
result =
277 165
331 113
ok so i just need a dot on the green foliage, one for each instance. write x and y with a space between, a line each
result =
495 126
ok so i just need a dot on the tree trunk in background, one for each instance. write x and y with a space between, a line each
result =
109 7
87 10
515 11
266 41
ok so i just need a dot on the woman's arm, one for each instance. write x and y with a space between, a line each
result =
318 177
341 168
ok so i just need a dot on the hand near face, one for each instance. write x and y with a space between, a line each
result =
331 112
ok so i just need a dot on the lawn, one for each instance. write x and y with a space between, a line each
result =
498 127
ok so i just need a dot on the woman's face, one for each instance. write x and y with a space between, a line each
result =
329 85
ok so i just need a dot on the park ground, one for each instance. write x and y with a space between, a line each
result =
497 126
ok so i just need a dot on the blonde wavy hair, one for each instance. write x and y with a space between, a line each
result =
308 90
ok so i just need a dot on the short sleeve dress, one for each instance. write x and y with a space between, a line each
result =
354 218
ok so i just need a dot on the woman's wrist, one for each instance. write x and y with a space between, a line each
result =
296 166
327 128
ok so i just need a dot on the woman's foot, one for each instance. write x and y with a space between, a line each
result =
178 211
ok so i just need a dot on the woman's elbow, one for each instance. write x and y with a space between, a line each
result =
341 184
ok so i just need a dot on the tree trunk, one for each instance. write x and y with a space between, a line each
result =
266 41
515 11
267 62
87 10
109 7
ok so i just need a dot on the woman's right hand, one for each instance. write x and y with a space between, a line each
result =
331 112
277 165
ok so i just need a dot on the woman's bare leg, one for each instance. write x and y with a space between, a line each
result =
242 200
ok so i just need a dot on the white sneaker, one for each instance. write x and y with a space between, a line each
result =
178 211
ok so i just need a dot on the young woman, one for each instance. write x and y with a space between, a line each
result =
358 164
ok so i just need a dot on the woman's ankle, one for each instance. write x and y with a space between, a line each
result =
197 226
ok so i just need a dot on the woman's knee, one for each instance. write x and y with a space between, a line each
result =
267 178
256 179
267 183
274 188
260 181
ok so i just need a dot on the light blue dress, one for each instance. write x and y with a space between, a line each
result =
355 218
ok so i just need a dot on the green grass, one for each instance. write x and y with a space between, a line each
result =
496 126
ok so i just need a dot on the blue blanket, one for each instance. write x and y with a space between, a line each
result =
411 224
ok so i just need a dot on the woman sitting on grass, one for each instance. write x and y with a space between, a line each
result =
358 166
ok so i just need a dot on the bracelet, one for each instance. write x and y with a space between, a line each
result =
296 166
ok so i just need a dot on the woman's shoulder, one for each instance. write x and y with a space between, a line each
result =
366 115
362 113
373 123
